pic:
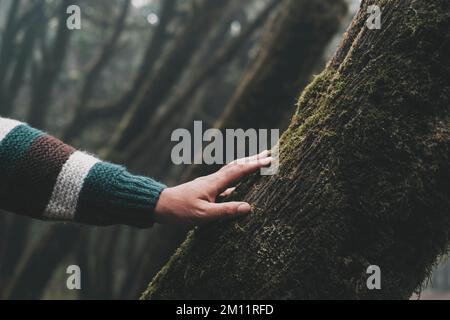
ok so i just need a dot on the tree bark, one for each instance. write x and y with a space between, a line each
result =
309 25
363 179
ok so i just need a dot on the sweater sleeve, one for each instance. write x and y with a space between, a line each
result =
44 178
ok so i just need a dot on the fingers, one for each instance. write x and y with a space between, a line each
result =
227 192
261 155
231 209
236 170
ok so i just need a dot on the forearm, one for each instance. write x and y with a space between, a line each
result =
44 178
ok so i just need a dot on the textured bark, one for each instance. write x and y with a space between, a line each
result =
297 29
364 177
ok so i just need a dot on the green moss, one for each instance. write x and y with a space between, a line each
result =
181 251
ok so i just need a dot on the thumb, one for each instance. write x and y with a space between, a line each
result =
235 208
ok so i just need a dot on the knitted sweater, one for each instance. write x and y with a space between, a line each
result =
43 178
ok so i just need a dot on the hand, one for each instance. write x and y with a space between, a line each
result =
194 202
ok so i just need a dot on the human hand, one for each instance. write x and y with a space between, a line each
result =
194 202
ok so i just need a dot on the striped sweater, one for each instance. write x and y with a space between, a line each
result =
43 178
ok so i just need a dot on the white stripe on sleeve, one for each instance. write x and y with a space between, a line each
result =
64 199
6 126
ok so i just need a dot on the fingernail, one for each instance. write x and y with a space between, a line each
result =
244 208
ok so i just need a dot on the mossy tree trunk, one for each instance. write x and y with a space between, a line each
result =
364 177
297 28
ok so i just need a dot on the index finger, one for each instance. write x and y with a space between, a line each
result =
238 169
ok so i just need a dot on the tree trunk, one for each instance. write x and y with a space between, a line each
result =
309 25
363 180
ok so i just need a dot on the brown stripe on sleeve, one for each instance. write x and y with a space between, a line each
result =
36 175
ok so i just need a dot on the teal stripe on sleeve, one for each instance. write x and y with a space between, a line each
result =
14 146
111 195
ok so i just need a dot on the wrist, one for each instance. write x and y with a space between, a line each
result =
161 208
